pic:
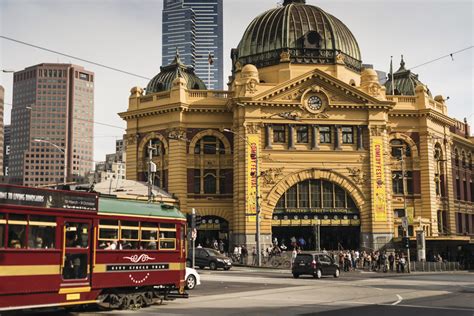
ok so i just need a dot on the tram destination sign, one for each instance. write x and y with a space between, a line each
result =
26 196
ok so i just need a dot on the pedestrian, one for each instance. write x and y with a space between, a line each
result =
293 256
244 254
391 261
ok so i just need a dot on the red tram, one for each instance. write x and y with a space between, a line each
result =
61 248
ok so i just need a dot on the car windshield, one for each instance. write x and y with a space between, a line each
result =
213 252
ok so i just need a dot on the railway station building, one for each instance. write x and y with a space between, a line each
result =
323 142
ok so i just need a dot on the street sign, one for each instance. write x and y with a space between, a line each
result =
405 223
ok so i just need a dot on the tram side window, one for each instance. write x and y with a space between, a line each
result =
129 235
149 235
3 221
17 231
108 234
167 236
41 232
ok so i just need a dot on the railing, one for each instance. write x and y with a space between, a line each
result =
426 266
401 99
209 94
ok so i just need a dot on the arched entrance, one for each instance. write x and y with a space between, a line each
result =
321 213
213 228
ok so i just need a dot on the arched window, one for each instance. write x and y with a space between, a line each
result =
315 194
400 147
209 178
439 170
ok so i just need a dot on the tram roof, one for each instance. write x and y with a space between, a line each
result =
137 208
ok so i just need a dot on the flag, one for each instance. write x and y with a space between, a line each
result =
209 59
391 74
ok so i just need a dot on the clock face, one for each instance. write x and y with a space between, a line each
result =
315 103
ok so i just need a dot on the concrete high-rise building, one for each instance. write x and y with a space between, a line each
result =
51 124
2 94
195 28
6 148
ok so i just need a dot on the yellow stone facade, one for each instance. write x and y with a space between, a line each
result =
261 98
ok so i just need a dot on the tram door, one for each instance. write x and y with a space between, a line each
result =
76 251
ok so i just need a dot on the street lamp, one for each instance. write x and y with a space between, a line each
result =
404 184
61 149
257 203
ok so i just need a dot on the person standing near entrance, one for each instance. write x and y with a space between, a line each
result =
302 243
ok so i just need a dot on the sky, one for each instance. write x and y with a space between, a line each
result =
126 34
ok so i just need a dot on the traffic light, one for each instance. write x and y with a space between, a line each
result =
406 242
198 220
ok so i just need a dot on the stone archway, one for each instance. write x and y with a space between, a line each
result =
322 226
283 185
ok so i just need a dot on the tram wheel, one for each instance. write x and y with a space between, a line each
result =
125 302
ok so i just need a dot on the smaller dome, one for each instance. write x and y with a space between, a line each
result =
404 81
249 68
369 74
168 74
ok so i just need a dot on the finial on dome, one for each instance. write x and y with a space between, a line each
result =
402 63
287 2
177 59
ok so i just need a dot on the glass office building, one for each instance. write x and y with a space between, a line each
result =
195 28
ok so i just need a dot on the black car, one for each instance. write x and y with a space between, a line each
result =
316 264
207 257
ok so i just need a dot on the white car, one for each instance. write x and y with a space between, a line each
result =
192 278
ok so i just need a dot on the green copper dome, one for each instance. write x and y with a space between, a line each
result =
307 33
404 81
164 80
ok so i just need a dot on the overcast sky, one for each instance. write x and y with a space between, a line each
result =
126 34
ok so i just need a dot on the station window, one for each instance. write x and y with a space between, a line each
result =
325 134
302 134
278 133
41 232
347 135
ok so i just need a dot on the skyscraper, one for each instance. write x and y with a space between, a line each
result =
51 124
195 28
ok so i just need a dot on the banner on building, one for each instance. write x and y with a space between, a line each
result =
410 214
252 152
379 194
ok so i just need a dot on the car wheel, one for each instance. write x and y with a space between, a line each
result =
213 266
227 268
337 273
191 282
296 275
318 274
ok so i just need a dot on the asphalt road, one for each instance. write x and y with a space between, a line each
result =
245 291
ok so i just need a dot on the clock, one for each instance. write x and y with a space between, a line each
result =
314 103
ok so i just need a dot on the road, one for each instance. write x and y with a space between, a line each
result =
246 291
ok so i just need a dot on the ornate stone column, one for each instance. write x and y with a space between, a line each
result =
291 136
337 142
360 143
314 137
268 139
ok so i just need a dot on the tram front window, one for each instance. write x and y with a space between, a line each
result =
76 252
75 266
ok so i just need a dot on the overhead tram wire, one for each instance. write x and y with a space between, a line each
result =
445 56
74 57
90 121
